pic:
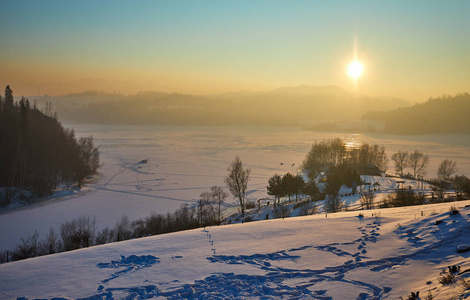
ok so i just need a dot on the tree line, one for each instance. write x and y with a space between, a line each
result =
290 185
38 153
446 114
334 153
335 164
82 232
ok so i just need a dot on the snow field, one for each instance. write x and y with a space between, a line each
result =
342 256
182 162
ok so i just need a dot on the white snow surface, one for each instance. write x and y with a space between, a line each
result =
185 161
341 256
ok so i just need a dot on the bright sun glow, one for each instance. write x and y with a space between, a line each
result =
355 69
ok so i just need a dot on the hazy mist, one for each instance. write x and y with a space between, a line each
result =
296 106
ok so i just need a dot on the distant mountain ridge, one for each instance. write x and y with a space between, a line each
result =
287 106
447 114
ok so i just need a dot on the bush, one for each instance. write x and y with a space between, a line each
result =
299 204
378 218
333 203
248 219
81 232
250 204
4 256
453 210
367 200
123 229
28 247
462 185
51 244
438 194
4 198
104 236
447 276
429 296
281 212
465 283
403 197
412 296
307 209
78 233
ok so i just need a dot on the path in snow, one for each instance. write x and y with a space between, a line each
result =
271 285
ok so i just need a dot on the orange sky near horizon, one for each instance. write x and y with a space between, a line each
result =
409 50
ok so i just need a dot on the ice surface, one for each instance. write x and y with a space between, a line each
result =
184 161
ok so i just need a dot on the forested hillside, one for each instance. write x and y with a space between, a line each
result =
37 153
439 115
293 106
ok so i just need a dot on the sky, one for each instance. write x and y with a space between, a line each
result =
409 49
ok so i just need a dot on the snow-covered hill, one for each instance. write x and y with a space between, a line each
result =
341 256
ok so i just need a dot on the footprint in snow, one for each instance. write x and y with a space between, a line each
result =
131 264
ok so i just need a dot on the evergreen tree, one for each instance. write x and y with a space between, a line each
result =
288 185
275 187
8 98
40 153
298 185
311 190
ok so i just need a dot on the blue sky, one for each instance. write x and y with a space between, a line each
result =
410 49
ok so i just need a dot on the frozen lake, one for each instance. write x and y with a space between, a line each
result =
185 161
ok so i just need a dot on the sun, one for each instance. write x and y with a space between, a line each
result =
355 69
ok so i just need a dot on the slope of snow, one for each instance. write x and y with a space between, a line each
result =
341 256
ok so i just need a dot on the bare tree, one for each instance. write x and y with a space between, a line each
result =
122 229
418 162
401 161
367 155
333 203
28 247
367 200
323 155
205 209
447 168
78 233
237 181
51 245
208 208
104 236
218 196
